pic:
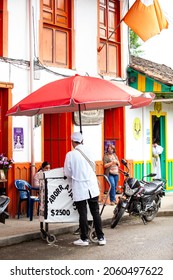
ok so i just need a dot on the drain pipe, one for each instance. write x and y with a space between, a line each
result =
32 119
144 136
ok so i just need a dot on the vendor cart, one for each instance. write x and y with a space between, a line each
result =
56 203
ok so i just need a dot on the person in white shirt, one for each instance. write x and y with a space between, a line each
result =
156 152
79 167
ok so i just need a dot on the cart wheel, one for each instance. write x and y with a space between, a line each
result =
51 239
92 235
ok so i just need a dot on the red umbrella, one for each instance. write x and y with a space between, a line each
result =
78 93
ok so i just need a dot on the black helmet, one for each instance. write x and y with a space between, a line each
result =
133 183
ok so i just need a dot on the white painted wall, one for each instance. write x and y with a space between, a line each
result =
86 19
132 145
138 149
85 16
18 35
168 107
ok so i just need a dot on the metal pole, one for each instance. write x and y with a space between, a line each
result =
31 87
144 139
80 120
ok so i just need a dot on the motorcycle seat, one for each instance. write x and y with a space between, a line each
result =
3 200
158 182
151 188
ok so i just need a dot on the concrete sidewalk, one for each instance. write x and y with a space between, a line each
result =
18 230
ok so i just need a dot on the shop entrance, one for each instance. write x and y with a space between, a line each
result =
158 133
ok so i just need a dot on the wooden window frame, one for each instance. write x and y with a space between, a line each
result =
61 24
108 64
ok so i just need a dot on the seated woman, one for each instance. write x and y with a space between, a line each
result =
44 167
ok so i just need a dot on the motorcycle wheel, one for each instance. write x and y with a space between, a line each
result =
118 213
151 215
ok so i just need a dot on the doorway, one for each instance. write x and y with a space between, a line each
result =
3 121
158 134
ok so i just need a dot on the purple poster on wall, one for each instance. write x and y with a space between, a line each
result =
18 138
107 143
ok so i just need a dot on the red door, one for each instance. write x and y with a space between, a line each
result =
3 121
114 130
57 142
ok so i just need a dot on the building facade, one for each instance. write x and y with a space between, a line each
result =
148 76
45 40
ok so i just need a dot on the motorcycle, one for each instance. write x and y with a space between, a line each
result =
139 198
4 201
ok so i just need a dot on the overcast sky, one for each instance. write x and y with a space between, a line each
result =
160 47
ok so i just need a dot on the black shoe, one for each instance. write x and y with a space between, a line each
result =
77 231
102 241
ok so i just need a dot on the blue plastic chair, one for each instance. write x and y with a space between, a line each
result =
24 189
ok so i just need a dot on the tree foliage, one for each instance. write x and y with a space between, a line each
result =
135 44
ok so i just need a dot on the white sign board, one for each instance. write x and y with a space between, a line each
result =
56 197
57 204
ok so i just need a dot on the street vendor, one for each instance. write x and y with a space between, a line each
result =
80 168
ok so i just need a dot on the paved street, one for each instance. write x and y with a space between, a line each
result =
131 239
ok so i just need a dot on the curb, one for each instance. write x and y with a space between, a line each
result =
16 239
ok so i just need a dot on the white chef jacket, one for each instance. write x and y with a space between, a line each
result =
84 180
